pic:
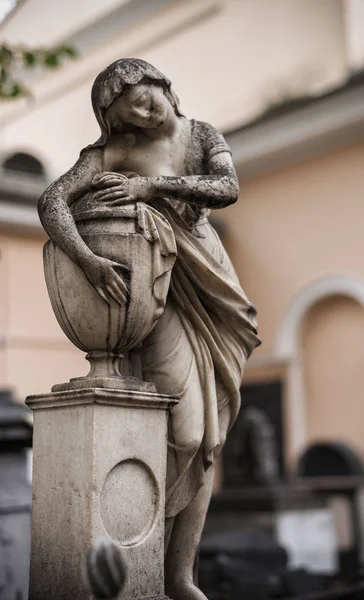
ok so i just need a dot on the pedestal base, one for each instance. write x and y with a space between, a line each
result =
115 383
105 372
99 461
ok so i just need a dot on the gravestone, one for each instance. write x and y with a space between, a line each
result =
15 498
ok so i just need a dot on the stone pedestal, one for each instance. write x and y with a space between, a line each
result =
99 467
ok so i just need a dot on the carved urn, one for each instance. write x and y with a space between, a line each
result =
140 239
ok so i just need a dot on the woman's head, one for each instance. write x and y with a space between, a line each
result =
142 105
132 91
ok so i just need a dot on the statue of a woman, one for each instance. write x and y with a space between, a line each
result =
148 151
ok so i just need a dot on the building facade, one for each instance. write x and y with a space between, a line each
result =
282 81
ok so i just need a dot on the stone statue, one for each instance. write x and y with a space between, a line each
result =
155 174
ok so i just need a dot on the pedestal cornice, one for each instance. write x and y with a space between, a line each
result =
102 396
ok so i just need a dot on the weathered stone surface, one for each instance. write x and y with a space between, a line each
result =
99 469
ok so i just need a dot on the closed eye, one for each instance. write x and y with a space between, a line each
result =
142 99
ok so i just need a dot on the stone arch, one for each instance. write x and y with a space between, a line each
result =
287 342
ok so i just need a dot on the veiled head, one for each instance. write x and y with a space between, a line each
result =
128 89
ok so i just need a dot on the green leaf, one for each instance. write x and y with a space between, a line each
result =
67 51
17 90
3 74
5 53
29 58
16 57
51 59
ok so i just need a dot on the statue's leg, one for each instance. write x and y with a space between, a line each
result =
168 361
184 534
183 545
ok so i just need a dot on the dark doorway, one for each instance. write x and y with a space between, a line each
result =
254 451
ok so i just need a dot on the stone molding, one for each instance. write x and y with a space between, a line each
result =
104 396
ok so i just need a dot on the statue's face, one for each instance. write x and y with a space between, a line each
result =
143 105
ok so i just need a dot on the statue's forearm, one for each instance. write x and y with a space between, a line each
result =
54 206
210 191
58 222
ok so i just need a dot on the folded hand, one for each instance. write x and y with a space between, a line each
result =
116 189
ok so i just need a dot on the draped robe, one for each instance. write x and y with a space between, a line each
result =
218 322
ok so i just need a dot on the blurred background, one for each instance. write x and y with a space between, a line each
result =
284 81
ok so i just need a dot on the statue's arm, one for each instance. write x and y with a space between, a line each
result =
57 220
217 189
54 211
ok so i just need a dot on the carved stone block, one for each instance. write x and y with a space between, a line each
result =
99 470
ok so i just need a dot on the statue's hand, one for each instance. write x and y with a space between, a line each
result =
117 190
102 274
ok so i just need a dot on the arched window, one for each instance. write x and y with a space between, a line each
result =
288 344
25 164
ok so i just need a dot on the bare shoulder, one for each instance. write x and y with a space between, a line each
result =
69 186
89 164
91 160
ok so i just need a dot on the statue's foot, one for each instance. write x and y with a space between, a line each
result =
184 591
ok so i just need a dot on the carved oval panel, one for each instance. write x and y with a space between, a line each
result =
130 502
